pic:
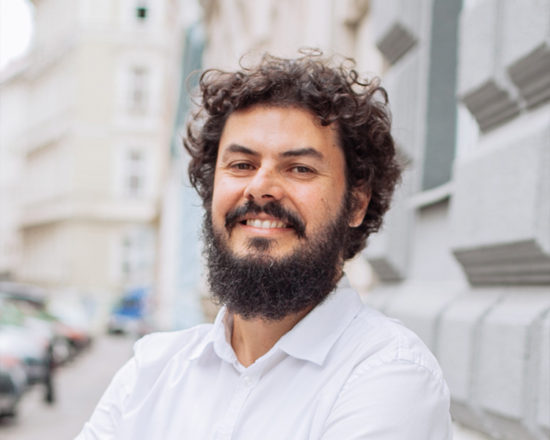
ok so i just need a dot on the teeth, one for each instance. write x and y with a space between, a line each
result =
265 224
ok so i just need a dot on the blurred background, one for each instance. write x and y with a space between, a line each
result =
100 230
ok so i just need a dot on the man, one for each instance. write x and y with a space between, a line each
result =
296 165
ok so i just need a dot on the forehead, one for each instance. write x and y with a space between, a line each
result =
273 128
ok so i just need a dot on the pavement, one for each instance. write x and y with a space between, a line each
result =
78 387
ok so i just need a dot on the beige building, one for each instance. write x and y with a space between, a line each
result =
237 27
90 119
12 110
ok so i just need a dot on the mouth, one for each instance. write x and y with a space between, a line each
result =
269 217
265 224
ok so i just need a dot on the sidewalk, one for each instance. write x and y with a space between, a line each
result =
79 386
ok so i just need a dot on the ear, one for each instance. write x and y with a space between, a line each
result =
360 202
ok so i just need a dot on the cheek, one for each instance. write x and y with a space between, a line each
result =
225 197
218 205
329 205
320 209
219 209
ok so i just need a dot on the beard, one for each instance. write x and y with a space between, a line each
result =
261 286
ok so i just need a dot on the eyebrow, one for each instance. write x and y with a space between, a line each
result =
306 151
236 148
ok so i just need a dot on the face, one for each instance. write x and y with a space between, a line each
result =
277 156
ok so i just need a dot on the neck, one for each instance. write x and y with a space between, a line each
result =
252 338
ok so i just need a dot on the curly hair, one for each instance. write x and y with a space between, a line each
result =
334 94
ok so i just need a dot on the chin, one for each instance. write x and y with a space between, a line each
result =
269 247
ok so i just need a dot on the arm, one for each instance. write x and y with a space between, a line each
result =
104 421
399 400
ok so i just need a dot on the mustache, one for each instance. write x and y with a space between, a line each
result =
273 208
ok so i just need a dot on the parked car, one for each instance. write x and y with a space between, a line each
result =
24 309
13 381
131 314
27 335
34 341
73 322
30 348
67 331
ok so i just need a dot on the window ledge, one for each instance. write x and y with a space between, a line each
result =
431 196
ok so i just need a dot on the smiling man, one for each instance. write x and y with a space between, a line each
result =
296 166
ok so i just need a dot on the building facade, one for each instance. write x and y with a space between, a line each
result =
465 256
92 136
180 290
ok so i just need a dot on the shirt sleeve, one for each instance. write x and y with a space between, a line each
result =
399 400
106 417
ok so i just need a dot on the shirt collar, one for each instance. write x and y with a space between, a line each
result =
218 337
311 339
314 336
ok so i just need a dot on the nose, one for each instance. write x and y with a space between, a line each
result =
264 185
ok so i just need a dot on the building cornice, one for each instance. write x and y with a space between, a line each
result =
82 209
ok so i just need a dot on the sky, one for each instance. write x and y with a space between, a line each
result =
15 29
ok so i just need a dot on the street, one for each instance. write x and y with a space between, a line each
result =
78 387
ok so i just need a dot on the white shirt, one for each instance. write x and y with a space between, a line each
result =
345 371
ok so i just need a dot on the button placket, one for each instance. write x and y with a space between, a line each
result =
244 388
247 380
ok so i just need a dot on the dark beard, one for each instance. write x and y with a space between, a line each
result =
272 288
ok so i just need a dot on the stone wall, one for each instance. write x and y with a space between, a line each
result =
464 258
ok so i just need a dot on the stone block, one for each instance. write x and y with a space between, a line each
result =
387 251
500 212
531 75
397 26
381 296
430 257
478 45
420 305
407 95
525 26
482 85
387 269
516 263
396 42
525 52
509 349
457 347
491 104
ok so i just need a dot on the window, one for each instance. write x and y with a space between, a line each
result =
136 255
441 117
141 11
134 182
138 90
126 253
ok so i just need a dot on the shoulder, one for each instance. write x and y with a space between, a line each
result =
395 388
381 340
158 348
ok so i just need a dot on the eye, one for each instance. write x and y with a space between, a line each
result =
241 166
301 169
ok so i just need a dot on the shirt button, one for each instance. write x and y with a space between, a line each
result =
247 381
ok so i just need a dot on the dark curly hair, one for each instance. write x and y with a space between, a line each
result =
334 94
